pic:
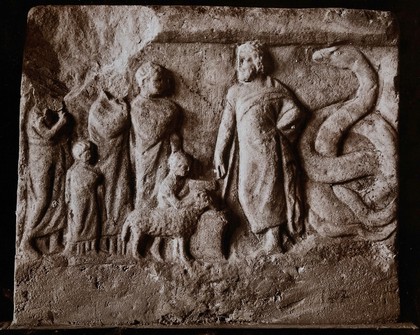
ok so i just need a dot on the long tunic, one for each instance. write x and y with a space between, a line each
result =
109 129
82 183
155 123
264 115
47 158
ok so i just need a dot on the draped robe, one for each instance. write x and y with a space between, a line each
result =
47 159
109 129
263 117
155 125
82 183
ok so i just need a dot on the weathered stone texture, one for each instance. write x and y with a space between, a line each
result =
207 165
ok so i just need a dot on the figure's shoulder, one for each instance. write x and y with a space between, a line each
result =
70 170
94 171
235 88
278 85
282 88
233 92
75 171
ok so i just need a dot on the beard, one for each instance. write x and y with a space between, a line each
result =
248 74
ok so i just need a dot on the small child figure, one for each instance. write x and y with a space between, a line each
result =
174 195
175 189
82 182
169 194
181 203
169 190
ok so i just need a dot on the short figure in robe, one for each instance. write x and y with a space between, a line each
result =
82 183
263 118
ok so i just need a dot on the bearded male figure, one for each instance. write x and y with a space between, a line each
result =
264 117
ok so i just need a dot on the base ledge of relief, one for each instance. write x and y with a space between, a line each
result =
395 326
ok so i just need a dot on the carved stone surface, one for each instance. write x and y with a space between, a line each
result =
197 165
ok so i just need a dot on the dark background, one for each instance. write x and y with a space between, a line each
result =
12 36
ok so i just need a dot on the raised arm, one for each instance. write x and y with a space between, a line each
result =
46 132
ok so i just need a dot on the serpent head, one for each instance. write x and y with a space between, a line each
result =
344 57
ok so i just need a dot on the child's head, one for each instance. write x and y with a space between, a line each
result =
152 79
82 151
179 163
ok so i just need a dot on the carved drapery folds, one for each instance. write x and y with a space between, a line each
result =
198 167
346 153
108 125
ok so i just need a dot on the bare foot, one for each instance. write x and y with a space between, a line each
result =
271 241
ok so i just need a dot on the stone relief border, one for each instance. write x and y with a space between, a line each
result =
109 121
360 210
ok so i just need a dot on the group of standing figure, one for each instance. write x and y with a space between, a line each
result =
96 195
261 119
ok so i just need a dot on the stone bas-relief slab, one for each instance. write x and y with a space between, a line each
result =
195 165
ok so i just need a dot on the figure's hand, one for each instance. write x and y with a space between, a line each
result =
289 124
290 133
62 116
220 168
